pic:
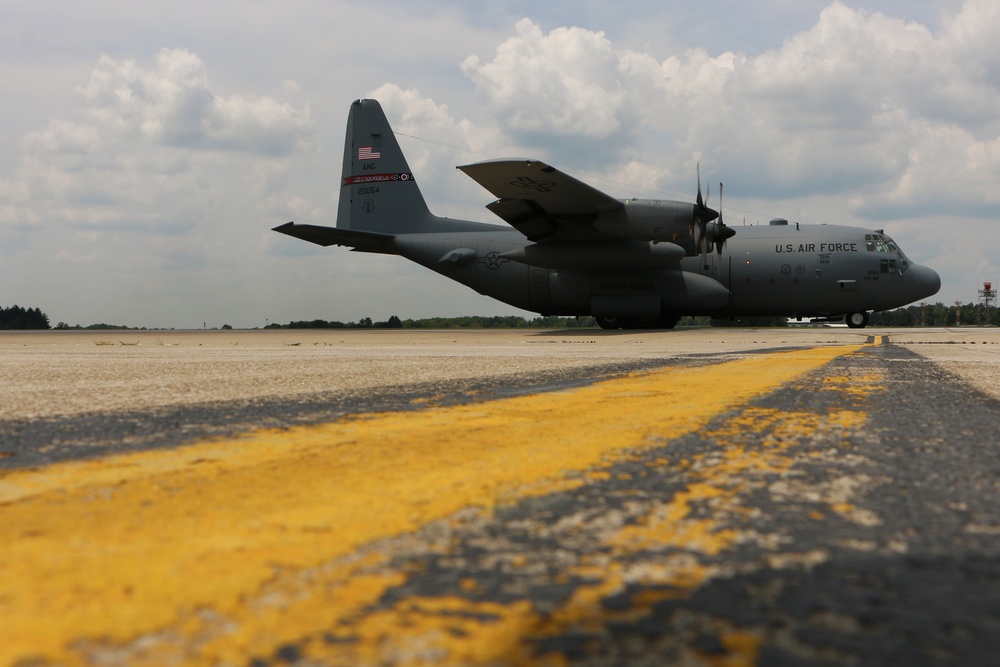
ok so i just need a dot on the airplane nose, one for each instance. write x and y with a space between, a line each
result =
923 282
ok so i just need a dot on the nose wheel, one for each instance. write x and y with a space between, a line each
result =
857 320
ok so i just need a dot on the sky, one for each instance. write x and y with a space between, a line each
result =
147 149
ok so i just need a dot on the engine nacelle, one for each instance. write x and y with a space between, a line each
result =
650 220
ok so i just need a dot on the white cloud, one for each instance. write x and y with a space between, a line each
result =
173 105
857 104
149 147
151 177
565 82
153 172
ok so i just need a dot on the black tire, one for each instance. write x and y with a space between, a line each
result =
609 322
857 320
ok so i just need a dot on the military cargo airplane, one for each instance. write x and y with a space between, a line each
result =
571 250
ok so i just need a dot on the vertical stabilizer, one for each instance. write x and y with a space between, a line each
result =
378 192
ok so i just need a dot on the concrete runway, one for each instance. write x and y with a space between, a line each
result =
707 497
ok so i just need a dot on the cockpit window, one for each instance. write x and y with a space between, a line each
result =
880 243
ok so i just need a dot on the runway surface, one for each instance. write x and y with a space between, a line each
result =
707 497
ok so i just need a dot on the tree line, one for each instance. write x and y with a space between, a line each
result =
928 315
937 315
17 317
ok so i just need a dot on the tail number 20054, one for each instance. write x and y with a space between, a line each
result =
369 190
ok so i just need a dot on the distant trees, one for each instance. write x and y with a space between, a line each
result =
101 326
17 317
937 315
930 315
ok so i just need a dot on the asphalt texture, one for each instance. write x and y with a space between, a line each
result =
851 517
53 439
909 574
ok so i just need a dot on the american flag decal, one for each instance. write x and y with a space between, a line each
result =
369 153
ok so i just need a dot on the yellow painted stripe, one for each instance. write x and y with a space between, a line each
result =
168 546
676 529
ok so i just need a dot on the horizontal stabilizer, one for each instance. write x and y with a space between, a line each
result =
327 236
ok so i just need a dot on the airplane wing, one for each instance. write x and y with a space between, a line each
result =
542 202
327 236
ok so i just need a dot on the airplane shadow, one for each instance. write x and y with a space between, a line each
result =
603 333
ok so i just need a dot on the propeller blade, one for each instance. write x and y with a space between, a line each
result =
721 232
699 201
702 213
718 227
720 204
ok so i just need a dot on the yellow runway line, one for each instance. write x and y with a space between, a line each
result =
163 544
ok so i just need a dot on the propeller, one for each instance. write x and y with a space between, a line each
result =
702 216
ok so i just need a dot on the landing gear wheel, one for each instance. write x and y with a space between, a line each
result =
609 322
857 320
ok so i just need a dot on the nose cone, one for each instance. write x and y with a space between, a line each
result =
922 282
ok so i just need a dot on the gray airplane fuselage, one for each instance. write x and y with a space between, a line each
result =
774 269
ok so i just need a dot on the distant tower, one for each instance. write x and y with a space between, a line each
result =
988 299
958 313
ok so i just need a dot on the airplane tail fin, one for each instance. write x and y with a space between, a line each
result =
378 192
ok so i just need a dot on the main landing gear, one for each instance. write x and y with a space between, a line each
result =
857 320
